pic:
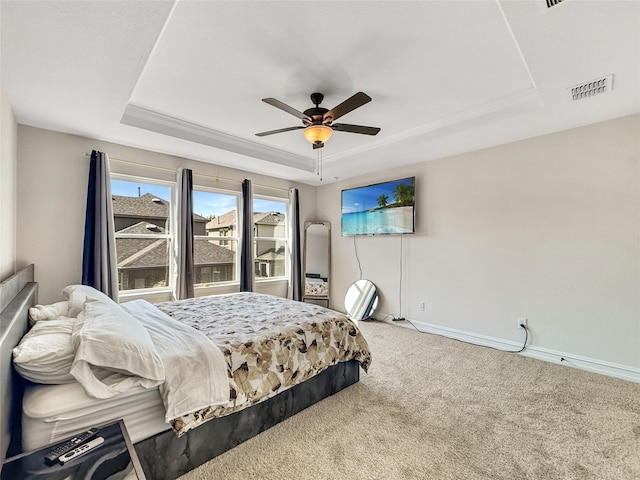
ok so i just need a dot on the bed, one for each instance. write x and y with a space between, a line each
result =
279 357
316 289
315 285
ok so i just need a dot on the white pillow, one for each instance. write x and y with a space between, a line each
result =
77 294
49 312
114 351
45 353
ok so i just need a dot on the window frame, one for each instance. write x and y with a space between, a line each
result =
213 285
165 292
285 239
171 222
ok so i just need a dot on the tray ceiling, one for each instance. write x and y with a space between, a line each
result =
187 77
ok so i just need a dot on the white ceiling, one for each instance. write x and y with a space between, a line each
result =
187 77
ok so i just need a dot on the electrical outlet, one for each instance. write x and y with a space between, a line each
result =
421 306
522 322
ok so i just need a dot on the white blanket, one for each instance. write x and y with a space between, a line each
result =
195 369
113 351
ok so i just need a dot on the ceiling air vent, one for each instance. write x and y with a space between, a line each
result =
592 88
552 3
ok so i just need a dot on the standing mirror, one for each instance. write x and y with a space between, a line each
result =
317 262
361 300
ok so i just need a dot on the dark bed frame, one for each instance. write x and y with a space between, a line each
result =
163 456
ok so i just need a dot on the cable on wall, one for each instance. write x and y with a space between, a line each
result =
524 345
400 318
355 247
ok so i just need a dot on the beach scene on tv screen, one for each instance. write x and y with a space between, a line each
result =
380 209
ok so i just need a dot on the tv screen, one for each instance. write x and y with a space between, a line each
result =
380 209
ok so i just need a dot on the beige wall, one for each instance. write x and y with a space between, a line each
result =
52 188
547 228
8 160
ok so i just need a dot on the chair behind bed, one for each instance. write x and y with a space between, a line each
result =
17 294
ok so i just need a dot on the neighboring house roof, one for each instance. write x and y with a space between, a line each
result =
270 255
222 221
207 253
228 219
144 228
149 252
142 252
146 205
271 218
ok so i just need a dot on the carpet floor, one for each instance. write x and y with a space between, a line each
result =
435 408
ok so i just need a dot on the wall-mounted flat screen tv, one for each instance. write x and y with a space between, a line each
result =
385 208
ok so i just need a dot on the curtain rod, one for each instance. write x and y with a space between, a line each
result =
173 170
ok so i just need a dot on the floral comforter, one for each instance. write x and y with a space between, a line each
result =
315 286
270 344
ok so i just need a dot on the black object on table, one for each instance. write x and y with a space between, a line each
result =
113 457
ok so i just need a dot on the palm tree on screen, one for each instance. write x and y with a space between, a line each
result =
403 194
382 200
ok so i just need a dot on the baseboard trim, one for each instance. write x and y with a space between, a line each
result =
554 356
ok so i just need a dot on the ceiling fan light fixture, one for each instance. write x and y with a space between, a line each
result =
317 133
318 122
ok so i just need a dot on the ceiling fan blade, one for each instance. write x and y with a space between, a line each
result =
280 130
287 108
345 107
345 127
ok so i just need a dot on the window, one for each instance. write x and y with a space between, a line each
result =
215 222
270 237
142 219
142 213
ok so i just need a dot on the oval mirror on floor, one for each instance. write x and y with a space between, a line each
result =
361 300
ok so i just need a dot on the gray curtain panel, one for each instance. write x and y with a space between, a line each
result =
99 261
184 249
293 216
246 241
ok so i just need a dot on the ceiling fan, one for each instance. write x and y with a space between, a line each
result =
318 121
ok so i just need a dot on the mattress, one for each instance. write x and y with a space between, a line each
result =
53 412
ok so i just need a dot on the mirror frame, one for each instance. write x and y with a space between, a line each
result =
306 296
370 306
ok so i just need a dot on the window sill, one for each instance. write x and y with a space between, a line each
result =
164 295
272 280
153 296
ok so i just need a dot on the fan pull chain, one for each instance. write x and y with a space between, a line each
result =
319 164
